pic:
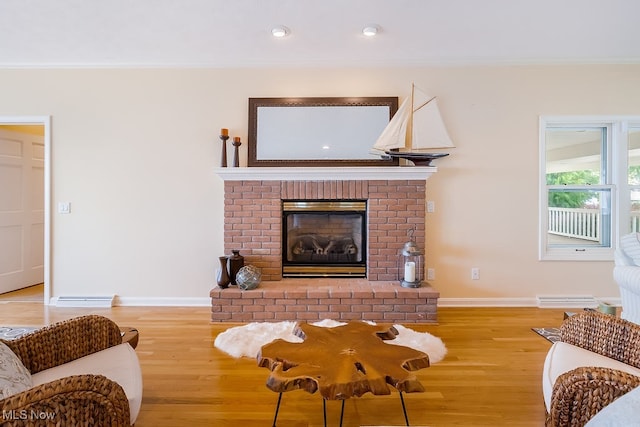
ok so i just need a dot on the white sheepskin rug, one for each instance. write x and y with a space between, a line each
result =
246 340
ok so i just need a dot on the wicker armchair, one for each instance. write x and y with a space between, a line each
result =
580 393
79 400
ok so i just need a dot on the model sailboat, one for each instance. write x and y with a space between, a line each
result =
415 130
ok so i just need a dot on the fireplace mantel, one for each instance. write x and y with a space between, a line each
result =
354 173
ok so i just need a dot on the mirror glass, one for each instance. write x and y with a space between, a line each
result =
317 131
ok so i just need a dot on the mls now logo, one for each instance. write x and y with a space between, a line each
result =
27 415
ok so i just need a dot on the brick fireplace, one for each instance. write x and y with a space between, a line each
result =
395 199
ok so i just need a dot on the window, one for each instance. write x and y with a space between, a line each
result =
589 185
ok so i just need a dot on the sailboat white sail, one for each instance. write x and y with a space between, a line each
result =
416 128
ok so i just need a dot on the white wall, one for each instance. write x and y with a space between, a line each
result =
134 152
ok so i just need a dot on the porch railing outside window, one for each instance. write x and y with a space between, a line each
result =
578 223
635 222
581 223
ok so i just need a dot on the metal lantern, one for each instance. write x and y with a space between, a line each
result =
411 265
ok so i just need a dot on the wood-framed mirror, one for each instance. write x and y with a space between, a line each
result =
333 131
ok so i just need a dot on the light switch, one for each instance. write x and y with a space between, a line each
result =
64 207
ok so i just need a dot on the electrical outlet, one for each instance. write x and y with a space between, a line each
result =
431 274
431 206
475 273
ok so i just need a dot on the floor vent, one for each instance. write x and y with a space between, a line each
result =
85 301
567 301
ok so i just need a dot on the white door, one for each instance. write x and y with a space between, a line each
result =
21 209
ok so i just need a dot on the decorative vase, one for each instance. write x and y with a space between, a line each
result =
222 276
236 262
248 277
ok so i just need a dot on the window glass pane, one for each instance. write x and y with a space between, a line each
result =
574 155
578 217
635 211
634 155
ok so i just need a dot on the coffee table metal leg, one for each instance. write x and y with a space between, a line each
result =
277 409
324 411
404 409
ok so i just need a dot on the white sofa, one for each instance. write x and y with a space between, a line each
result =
596 361
624 411
626 273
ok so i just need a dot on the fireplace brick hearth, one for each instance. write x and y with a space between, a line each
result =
253 225
318 299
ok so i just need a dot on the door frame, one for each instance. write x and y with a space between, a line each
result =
46 122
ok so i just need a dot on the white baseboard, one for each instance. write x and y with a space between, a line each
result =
163 301
564 302
487 302
137 302
567 302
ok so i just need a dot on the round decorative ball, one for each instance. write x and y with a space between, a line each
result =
248 277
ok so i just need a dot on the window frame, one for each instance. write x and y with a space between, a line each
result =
615 174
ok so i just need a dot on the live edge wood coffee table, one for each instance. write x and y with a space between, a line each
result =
342 362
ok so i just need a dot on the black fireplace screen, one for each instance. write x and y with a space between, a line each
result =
324 238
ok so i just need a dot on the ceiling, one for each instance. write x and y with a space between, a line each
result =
237 33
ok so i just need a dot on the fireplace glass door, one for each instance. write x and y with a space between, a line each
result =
324 239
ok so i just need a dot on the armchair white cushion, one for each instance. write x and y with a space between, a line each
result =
626 273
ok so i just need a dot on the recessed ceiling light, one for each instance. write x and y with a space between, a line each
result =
280 31
371 30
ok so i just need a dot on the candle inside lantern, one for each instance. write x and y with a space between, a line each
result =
236 139
410 271
224 132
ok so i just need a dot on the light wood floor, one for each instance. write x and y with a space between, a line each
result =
490 377
33 293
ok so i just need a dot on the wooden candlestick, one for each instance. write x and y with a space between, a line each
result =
236 144
223 160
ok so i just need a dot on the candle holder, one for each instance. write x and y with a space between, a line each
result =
223 160
411 265
236 144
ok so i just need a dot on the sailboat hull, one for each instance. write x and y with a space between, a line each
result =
418 159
